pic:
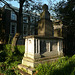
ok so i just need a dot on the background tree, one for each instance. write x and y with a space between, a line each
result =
34 8
2 31
51 4
65 12
37 9
0 24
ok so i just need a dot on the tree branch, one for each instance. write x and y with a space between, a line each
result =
9 6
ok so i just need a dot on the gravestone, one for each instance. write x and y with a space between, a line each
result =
42 47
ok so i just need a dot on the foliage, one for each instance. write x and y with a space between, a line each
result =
9 60
21 48
65 11
64 66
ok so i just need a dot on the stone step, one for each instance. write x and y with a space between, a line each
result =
26 69
23 73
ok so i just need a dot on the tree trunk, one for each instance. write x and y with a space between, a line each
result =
19 32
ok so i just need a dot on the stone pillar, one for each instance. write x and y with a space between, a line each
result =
38 46
61 47
37 49
58 47
49 46
26 47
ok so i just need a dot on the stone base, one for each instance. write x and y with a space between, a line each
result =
28 62
34 62
24 68
28 65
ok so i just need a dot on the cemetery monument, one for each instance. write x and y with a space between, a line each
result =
42 47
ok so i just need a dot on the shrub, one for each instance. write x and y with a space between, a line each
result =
64 66
9 60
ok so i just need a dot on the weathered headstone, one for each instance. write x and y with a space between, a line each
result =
42 47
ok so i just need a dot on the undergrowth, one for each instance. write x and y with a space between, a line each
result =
9 60
64 66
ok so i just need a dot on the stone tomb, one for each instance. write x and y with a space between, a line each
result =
38 47
42 47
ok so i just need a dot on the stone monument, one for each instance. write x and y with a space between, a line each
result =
45 26
42 47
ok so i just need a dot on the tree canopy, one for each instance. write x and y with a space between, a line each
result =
66 12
